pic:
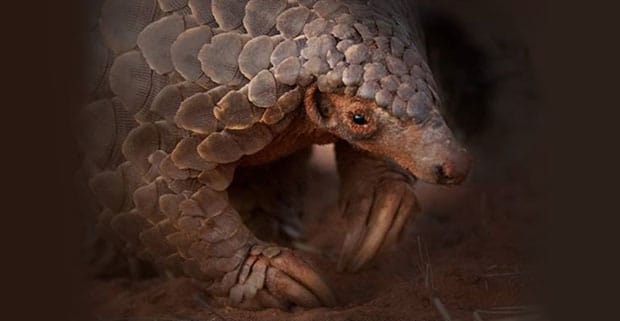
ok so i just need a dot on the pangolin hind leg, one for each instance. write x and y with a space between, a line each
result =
377 200
274 193
192 229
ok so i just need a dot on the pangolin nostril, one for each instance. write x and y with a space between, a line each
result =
442 176
439 172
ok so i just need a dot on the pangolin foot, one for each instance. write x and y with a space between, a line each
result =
276 277
376 219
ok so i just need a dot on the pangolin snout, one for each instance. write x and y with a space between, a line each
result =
454 169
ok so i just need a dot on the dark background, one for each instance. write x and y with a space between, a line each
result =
573 163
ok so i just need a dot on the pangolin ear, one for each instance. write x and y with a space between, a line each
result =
319 108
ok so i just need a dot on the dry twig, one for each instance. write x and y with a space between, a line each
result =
429 282
513 313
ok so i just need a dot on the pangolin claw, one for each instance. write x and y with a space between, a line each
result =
375 220
275 277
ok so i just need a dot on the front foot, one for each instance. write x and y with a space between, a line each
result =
375 219
276 277
377 200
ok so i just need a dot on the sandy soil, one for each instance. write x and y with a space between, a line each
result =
475 240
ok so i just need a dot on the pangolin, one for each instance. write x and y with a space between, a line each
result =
186 94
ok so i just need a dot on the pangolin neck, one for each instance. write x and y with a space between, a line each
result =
301 133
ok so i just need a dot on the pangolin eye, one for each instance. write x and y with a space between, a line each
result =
359 119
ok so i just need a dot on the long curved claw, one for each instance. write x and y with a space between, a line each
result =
382 215
274 277
408 207
356 211
288 289
268 300
393 205
301 272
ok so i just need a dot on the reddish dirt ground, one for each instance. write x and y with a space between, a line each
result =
477 240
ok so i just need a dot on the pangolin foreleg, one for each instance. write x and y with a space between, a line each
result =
377 200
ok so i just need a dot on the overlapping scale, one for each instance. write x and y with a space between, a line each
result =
132 80
157 38
228 13
255 56
121 21
219 58
260 16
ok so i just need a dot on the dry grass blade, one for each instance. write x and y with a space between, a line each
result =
534 317
425 259
505 274
420 256
430 272
427 276
511 313
524 308
523 318
441 308
507 311
428 256
150 319
477 316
